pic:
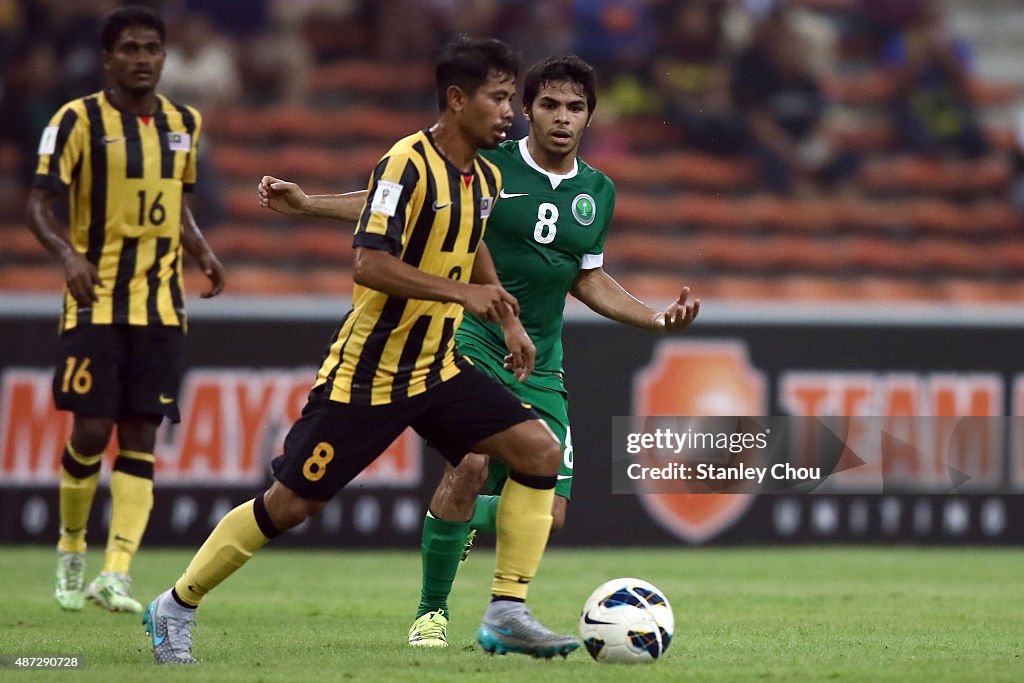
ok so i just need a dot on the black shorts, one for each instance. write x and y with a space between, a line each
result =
119 371
331 443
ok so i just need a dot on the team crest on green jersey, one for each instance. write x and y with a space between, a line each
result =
584 209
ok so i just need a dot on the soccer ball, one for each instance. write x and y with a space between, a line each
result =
627 620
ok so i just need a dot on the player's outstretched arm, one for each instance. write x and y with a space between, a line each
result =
288 198
196 245
604 295
81 276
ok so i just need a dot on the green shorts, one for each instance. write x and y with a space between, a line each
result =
551 403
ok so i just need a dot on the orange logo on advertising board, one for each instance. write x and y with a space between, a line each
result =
705 378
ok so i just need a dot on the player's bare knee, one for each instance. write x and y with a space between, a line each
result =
287 509
138 434
471 473
90 435
456 494
547 454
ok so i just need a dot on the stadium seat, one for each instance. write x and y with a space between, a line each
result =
45 278
915 174
875 86
370 77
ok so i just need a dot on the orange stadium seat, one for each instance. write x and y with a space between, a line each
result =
339 125
18 242
876 86
951 177
26 278
675 169
366 76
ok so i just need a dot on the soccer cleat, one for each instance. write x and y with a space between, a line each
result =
470 537
171 636
69 589
429 630
511 628
113 592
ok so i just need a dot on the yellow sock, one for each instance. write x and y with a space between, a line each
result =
78 479
230 545
524 523
131 490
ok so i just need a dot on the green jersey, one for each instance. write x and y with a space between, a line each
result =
543 230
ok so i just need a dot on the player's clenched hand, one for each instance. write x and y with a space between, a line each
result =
522 354
489 302
82 278
679 314
280 195
214 271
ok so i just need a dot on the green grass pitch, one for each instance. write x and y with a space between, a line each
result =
837 614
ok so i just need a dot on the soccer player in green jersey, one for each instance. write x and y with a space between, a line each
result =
546 236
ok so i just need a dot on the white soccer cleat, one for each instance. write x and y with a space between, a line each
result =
171 635
69 590
113 592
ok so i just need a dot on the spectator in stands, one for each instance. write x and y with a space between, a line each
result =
880 20
538 29
691 74
71 28
29 97
785 113
200 67
619 38
1017 166
931 102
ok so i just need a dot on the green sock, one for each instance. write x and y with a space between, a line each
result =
441 551
485 514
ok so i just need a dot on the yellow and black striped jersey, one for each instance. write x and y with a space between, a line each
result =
423 210
125 175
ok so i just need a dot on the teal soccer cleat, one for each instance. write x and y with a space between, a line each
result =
171 635
509 627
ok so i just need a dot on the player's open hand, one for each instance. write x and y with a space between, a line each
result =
679 314
83 278
214 272
281 196
522 354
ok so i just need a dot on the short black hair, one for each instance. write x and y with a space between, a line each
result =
561 68
130 15
466 62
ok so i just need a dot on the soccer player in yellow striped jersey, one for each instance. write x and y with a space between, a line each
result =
547 237
420 260
124 157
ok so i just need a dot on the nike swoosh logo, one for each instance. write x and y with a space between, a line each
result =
526 405
438 207
119 537
564 476
509 195
166 400
499 629
588 620
110 141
